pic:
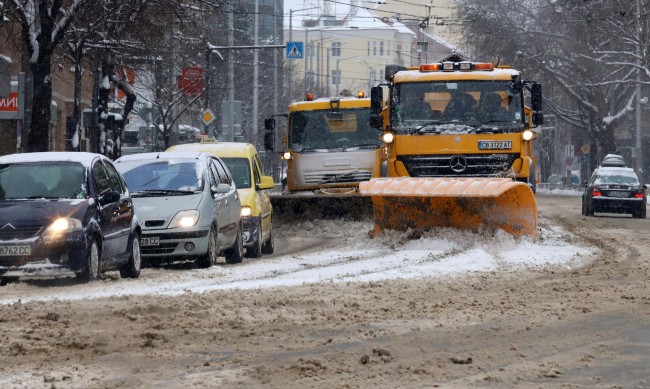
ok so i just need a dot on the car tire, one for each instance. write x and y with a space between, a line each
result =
7 280
584 208
589 210
640 214
235 254
91 271
255 250
268 246
210 257
132 268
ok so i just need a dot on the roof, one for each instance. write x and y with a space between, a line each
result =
621 171
417 75
58 156
160 156
221 149
325 103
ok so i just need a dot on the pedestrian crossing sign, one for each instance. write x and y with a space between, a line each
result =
294 50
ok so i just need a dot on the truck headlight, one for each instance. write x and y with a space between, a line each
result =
286 155
527 135
185 219
387 137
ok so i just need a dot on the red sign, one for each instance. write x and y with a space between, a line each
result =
190 82
9 104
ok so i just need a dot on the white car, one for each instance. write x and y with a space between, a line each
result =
187 204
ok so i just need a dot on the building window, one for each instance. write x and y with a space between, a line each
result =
388 51
374 48
368 49
336 77
336 49
381 48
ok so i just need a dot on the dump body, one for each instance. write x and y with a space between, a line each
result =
464 140
329 149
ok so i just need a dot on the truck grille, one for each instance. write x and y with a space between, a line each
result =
9 231
459 165
333 178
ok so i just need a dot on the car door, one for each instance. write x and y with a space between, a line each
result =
108 210
265 201
125 213
230 208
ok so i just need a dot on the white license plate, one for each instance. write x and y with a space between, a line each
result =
15 250
619 194
150 241
494 144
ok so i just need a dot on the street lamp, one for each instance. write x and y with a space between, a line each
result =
291 11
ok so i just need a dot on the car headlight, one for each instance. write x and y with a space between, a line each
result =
246 211
184 219
527 135
63 225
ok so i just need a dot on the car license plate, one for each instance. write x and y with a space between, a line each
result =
150 241
619 194
15 250
495 145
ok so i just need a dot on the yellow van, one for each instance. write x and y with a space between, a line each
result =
246 168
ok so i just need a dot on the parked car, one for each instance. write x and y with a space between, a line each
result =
614 190
187 204
65 214
257 213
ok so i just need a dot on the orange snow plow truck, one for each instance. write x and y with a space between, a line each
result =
457 143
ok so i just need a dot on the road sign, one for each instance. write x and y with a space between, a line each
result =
190 82
294 50
207 116
585 149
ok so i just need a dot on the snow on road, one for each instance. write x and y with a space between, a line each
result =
334 251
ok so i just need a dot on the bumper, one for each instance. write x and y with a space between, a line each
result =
46 258
601 204
250 229
174 243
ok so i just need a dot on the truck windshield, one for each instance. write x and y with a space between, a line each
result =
325 130
457 107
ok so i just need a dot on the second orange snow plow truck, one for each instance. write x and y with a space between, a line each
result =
329 148
458 148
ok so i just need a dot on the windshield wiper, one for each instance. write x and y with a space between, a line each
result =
420 130
158 192
362 146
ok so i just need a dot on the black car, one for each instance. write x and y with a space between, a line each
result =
65 213
614 190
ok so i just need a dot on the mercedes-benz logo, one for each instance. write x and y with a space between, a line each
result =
458 163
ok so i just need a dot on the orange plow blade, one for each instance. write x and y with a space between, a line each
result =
476 204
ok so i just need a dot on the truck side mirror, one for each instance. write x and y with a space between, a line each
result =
269 140
536 104
376 106
269 124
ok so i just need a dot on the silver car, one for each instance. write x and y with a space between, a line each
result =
187 204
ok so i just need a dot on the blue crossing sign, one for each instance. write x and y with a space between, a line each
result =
294 50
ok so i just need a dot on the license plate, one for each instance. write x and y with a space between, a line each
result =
15 250
494 144
150 241
619 194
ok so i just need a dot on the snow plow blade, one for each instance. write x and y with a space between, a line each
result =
477 204
347 205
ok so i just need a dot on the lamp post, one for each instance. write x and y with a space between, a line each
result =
291 11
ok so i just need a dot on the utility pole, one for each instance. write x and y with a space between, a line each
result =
637 116
256 72
230 136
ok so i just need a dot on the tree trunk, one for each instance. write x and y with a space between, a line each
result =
38 137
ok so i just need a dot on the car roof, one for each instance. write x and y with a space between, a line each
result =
616 170
54 156
163 155
221 149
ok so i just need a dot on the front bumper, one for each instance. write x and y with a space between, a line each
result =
250 230
174 243
47 257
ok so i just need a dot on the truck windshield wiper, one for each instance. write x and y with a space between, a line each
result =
362 146
421 129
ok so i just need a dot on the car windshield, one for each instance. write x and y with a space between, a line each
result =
165 175
453 107
46 179
327 130
617 177
240 169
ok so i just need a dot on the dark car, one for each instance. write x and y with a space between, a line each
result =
65 213
614 190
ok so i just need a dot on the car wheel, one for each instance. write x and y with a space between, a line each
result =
7 280
640 214
255 251
210 257
91 272
584 208
235 253
132 268
267 247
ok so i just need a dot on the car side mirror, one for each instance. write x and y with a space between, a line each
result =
220 188
109 198
266 182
